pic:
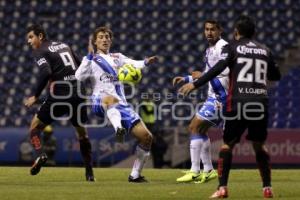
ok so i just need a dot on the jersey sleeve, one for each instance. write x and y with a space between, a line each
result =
136 63
273 72
44 72
84 70
225 58
76 57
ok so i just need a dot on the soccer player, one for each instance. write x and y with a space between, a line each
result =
207 116
57 63
108 94
251 65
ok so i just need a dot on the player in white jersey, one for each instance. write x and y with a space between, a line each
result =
108 94
208 115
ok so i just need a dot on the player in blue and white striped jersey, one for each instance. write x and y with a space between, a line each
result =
208 115
108 94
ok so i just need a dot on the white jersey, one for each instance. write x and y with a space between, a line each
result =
217 87
102 70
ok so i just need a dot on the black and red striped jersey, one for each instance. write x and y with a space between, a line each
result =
251 64
56 62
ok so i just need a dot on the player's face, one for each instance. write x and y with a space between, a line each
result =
103 42
33 40
212 33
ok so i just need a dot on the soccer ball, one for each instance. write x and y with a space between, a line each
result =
129 74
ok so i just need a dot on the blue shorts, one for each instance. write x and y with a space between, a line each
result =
129 118
211 110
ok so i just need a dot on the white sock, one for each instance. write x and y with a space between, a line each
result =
195 148
114 117
206 155
141 158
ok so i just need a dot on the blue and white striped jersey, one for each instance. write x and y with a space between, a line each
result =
218 87
102 71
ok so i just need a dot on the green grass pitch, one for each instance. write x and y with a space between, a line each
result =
69 184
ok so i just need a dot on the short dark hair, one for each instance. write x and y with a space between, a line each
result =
104 29
246 26
37 29
215 22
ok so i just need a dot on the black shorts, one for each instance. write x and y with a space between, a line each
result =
234 128
72 108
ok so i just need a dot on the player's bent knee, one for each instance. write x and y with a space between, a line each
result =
147 140
225 147
36 125
110 100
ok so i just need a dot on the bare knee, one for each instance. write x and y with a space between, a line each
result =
109 100
146 140
36 126
227 147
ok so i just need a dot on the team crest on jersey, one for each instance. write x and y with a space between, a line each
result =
116 59
107 78
41 61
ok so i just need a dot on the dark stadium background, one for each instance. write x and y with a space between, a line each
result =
171 29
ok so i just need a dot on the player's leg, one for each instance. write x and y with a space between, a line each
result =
110 104
205 153
144 137
209 115
232 134
263 163
257 133
86 152
36 127
38 123
196 141
78 120
200 148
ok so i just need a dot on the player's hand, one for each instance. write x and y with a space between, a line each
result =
177 80
186 89
196 74
90 46
30 101
151 60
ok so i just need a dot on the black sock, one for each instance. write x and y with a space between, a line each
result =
263 162
86 153
224 165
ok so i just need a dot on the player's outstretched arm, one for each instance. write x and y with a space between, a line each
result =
90 46
138 63
187 79
151 60
84 70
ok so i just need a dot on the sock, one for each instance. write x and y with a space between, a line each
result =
35 139
141 158
114 116
263 162
86 153
205 155
224 165
195 149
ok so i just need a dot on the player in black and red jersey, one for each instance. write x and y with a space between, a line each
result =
251 65
57 64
